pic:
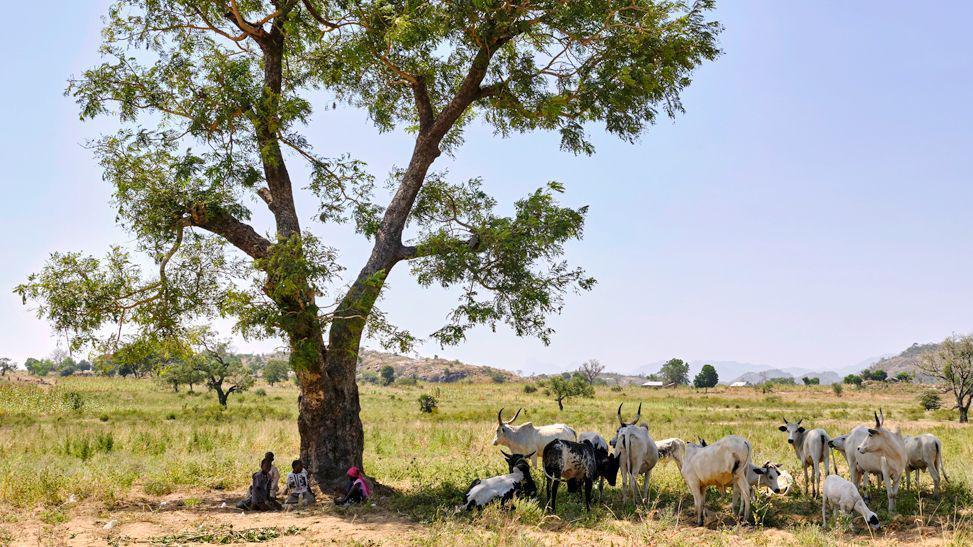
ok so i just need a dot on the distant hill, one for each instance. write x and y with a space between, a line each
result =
725 369
906 361
429 369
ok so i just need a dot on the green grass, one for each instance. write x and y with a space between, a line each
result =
104 441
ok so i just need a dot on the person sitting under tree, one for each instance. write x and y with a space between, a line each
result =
358 489
258 498
296 486
274 475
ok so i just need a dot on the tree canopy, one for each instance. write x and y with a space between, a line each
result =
706 378
212 100
675 371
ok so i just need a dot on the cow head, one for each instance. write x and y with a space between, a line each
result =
877 437
504 429
768 475
607 465
838 443
872 521
622 423
793 430
673 448
514 459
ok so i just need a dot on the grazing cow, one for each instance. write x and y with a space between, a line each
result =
843 495
764 476
637 454
504 487
526 438
580 463
883 451
924 452
598 442
811 448
721 464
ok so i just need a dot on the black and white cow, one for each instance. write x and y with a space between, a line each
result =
577 463
503 487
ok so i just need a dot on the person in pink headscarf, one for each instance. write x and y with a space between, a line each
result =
358 489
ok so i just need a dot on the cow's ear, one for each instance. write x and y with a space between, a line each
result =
759 470
782 428
872 431
801 430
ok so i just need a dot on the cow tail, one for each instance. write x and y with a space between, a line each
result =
939 460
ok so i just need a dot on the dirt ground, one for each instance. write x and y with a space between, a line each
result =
214 520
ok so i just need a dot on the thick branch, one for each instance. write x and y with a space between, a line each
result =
240 234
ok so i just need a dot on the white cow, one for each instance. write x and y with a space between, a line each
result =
811 448
924 452
847 444
721 464
843 495
764 476
636 452
526 438
883 452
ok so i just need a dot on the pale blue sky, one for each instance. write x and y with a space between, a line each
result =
812 208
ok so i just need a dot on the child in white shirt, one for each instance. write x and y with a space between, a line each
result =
297 486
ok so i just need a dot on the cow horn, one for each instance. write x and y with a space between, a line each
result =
500 416
881 414
799 421
511 420
505 455
621 422
638 415
785 420
767 463
878 423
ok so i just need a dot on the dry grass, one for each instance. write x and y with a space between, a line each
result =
93 445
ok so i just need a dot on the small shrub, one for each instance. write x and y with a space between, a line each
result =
930 400
260 392
497 377
408 381
838 389
616 388
171 416
427 403
370 378
388 375
767 387
74 400
103 417
529 388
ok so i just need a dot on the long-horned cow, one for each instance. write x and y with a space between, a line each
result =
883 451
637 453
812 449
721 464
925 452
526 438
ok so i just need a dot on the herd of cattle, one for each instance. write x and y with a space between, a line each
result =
580 460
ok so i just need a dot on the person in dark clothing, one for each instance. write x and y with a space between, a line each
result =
358 489
258 498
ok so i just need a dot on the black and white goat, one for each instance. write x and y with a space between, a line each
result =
503 487
578 463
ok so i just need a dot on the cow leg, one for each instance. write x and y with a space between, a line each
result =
807 485
601 487
887 479
744 487
646 477
633 483
824 511
547 491
553 501
816 468
698 499
908 481
934 473
587 494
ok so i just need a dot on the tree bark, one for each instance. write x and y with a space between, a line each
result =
964 414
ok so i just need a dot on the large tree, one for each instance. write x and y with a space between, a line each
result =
952 364
212 97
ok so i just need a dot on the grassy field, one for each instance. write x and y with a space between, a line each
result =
84 451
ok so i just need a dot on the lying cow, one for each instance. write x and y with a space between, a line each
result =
843 495
883 452
811 448
504 487
924 452
526 438
721 464
580 463
636 452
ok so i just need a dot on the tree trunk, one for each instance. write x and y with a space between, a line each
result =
560 405
964 414
221 397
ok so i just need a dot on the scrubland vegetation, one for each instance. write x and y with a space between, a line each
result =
85 445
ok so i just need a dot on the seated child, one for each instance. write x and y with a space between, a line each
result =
258 498
274 475
296 487
358 489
